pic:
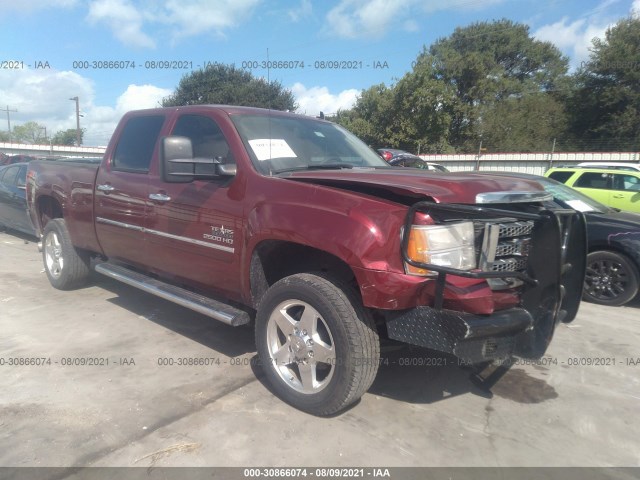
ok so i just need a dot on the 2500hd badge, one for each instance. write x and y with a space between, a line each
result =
220 234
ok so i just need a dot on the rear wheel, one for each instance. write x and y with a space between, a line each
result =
66 267
611 279
317 344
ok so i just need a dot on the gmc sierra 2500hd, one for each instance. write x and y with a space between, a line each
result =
242 214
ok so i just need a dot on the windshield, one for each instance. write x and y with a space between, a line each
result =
568 197
279 144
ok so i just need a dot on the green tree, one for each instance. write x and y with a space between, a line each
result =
371 118
226 84
67 137
4 136
423 114
485 64
30 132
606 105
525 124
475 84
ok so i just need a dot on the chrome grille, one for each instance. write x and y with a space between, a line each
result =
509 265
519 246
505 248
516 229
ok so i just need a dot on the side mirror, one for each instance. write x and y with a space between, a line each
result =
227 169
176 160
178 165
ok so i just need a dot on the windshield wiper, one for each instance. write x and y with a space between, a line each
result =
319 166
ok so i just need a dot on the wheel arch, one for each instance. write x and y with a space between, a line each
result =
48 208
273 260
618 250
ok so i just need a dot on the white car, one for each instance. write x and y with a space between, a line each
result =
612 165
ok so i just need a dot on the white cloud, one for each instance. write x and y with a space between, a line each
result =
365 18
43 97
124 20
13 6
373 18
435 5
141 96
312 101
127 19
575 38
193 17
304 10
182 18
411 26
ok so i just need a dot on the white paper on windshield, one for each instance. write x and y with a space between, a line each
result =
266 149
579 205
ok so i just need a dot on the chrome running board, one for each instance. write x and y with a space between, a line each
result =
186 298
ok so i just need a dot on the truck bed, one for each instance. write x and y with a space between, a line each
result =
71 183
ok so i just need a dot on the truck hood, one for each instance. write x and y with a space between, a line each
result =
456 187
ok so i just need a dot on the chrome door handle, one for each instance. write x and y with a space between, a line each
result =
159 197
105 187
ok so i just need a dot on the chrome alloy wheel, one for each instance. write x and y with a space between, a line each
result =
301 346
53 255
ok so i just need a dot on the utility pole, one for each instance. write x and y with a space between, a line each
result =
480 150
77 100
9 120
553 149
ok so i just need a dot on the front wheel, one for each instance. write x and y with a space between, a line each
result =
318 346
66 267
611 279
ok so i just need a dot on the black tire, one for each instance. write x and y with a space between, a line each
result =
66 267
611 279
344 352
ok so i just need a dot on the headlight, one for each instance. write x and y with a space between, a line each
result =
443 245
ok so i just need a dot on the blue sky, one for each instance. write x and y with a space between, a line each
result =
378 38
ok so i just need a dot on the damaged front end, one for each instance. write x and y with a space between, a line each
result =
535 254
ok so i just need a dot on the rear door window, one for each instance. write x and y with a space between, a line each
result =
137 142
561 177
592 180
9 177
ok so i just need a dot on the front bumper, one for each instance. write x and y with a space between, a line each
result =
471 338
550 292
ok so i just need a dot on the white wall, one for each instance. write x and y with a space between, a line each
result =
535 163
65 150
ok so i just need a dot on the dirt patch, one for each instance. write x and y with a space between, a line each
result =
520 387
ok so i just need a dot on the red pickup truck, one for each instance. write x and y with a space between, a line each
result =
246 214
